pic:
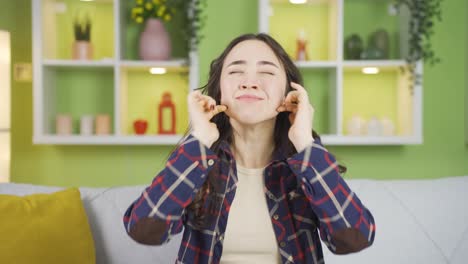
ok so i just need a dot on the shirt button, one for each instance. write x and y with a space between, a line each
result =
210 162
275 217
271 196
282 244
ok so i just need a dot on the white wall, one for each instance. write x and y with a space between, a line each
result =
5 91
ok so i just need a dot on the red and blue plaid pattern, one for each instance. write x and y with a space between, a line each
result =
305 193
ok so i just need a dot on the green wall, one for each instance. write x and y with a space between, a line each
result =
443 153
466 79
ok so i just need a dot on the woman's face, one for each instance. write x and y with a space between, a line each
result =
253 82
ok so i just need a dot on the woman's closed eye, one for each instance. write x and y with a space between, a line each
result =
269 73
235 72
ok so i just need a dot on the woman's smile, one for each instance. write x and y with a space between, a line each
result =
249 98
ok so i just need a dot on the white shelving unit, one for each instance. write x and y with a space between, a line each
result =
408 108
50 64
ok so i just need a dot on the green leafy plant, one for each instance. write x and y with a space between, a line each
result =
190 12
423 15
82 29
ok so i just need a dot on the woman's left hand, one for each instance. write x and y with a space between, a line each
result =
301 116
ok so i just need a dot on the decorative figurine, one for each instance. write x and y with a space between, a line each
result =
301 53
103 124
353 47
63 125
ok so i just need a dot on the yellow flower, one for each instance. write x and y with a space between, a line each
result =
157 2
167 17
139 20
137 10
149 6
139 2
161 11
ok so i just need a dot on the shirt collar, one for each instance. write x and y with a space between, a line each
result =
225 146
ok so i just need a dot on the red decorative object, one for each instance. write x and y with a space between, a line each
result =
140 126
167 111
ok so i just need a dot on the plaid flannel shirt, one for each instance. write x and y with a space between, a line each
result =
305 194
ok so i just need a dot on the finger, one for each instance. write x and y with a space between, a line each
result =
196 94
216 110
192 96
298 87
303 94
292 97
205 102
209 101
287 108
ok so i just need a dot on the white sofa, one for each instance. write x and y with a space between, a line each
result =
418 221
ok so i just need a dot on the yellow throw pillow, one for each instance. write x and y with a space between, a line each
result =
45 228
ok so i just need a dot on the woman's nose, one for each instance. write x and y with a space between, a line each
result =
252 86
249 84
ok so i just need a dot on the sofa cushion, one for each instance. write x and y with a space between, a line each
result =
49 228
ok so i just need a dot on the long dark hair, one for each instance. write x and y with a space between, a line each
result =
282 125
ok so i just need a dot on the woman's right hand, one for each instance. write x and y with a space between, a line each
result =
201 109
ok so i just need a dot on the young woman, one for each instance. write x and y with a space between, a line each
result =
251 182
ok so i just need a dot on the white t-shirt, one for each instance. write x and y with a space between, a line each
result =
249 236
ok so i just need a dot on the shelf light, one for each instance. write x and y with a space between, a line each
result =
370 70
157 70
298 2
87 0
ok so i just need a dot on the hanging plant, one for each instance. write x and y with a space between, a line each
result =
423 15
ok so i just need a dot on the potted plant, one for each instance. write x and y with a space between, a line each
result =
153 14
422 17
82 46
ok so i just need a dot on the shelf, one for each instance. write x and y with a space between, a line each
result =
364 17
368 140
78 63
129 34
77 92
316 64
374 63
141 93
174 63
108 140
113 81
327 140
57 20
117 83
318 21
385 95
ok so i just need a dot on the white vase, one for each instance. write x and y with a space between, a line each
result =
356 126
387 126
86 125
374 127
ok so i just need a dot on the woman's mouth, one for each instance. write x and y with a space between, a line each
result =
249 98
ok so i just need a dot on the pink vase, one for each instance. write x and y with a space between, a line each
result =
155 43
